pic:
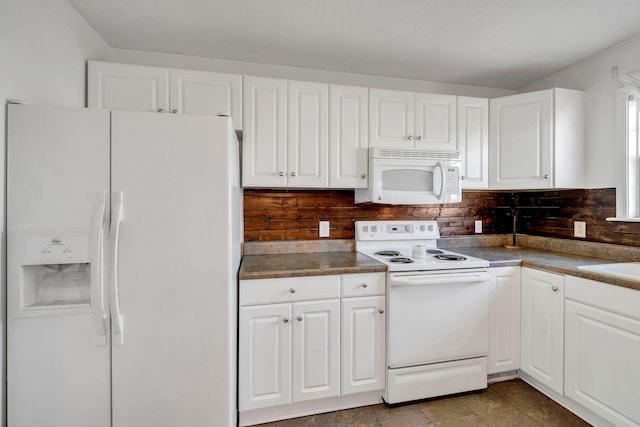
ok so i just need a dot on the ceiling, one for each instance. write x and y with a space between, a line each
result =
496 43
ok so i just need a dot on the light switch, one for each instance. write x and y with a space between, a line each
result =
579 229
324 228
479 226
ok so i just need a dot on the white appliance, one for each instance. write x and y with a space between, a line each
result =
411 177
123 248
437 311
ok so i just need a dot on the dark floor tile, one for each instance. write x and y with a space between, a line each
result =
310 421
444 409
357 417
466 421
551 413
384 412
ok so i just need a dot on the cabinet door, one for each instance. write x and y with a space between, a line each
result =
602 372
264 145
308 134
542 333
473 141
349 139
201 92
391 115
435 122
316 350
521 133
363 344
504 320
264 358
127 87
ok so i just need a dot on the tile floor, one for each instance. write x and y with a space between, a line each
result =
508 403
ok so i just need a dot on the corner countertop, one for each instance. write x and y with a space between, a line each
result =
307 264
541 259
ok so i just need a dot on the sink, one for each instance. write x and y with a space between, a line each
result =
625 270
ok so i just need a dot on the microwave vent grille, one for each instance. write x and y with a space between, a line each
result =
396 153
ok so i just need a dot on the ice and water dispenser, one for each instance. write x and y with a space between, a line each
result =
55 270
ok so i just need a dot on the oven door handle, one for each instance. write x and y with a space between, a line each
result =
439 279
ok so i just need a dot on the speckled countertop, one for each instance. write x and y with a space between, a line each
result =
307 264
308 258
555 262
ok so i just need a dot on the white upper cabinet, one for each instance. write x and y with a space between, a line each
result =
203 92
264 144
473 142
412 120
308 139
127 87
349 138
536 140
141 88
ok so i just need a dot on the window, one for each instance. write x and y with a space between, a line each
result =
628 189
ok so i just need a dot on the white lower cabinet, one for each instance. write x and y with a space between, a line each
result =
310 344
602 349
363 344
542 327
504 320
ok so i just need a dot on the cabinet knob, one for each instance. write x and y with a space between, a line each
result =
419 138
554 288
293 174
281 173
299 318
409 137
546 176
364 285
175 111
160 110
462 177
293 291
363 176
285 320
381 310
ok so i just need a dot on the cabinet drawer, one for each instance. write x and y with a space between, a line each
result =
355 285
288 289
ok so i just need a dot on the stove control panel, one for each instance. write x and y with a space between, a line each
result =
396 230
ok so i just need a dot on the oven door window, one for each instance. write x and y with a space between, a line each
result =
408 180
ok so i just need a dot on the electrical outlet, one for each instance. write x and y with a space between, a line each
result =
479 226
579 229
323 228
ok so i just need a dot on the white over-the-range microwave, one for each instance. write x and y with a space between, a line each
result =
411 177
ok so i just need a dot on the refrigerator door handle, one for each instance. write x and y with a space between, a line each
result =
97 276
114 302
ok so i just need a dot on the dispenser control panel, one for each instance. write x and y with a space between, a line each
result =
55 249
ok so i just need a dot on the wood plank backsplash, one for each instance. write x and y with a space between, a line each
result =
294 214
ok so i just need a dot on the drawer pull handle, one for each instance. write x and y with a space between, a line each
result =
299 318
381 310
364 285
285 320
293 291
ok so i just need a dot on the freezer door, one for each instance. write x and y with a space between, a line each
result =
173 362
58 367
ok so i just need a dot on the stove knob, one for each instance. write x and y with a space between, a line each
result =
422 228
365 229
408 228
374 228
431 228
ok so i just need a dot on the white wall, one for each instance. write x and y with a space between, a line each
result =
43 48
296 73
593 75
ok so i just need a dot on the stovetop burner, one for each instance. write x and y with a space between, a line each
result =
401 260
434 251
388 253
450 257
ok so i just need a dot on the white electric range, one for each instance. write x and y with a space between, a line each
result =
437 311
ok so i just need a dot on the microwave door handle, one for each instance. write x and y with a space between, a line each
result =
439 166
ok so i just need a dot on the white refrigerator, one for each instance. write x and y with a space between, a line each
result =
124 233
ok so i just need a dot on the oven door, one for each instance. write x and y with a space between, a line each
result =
414 181
440 316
